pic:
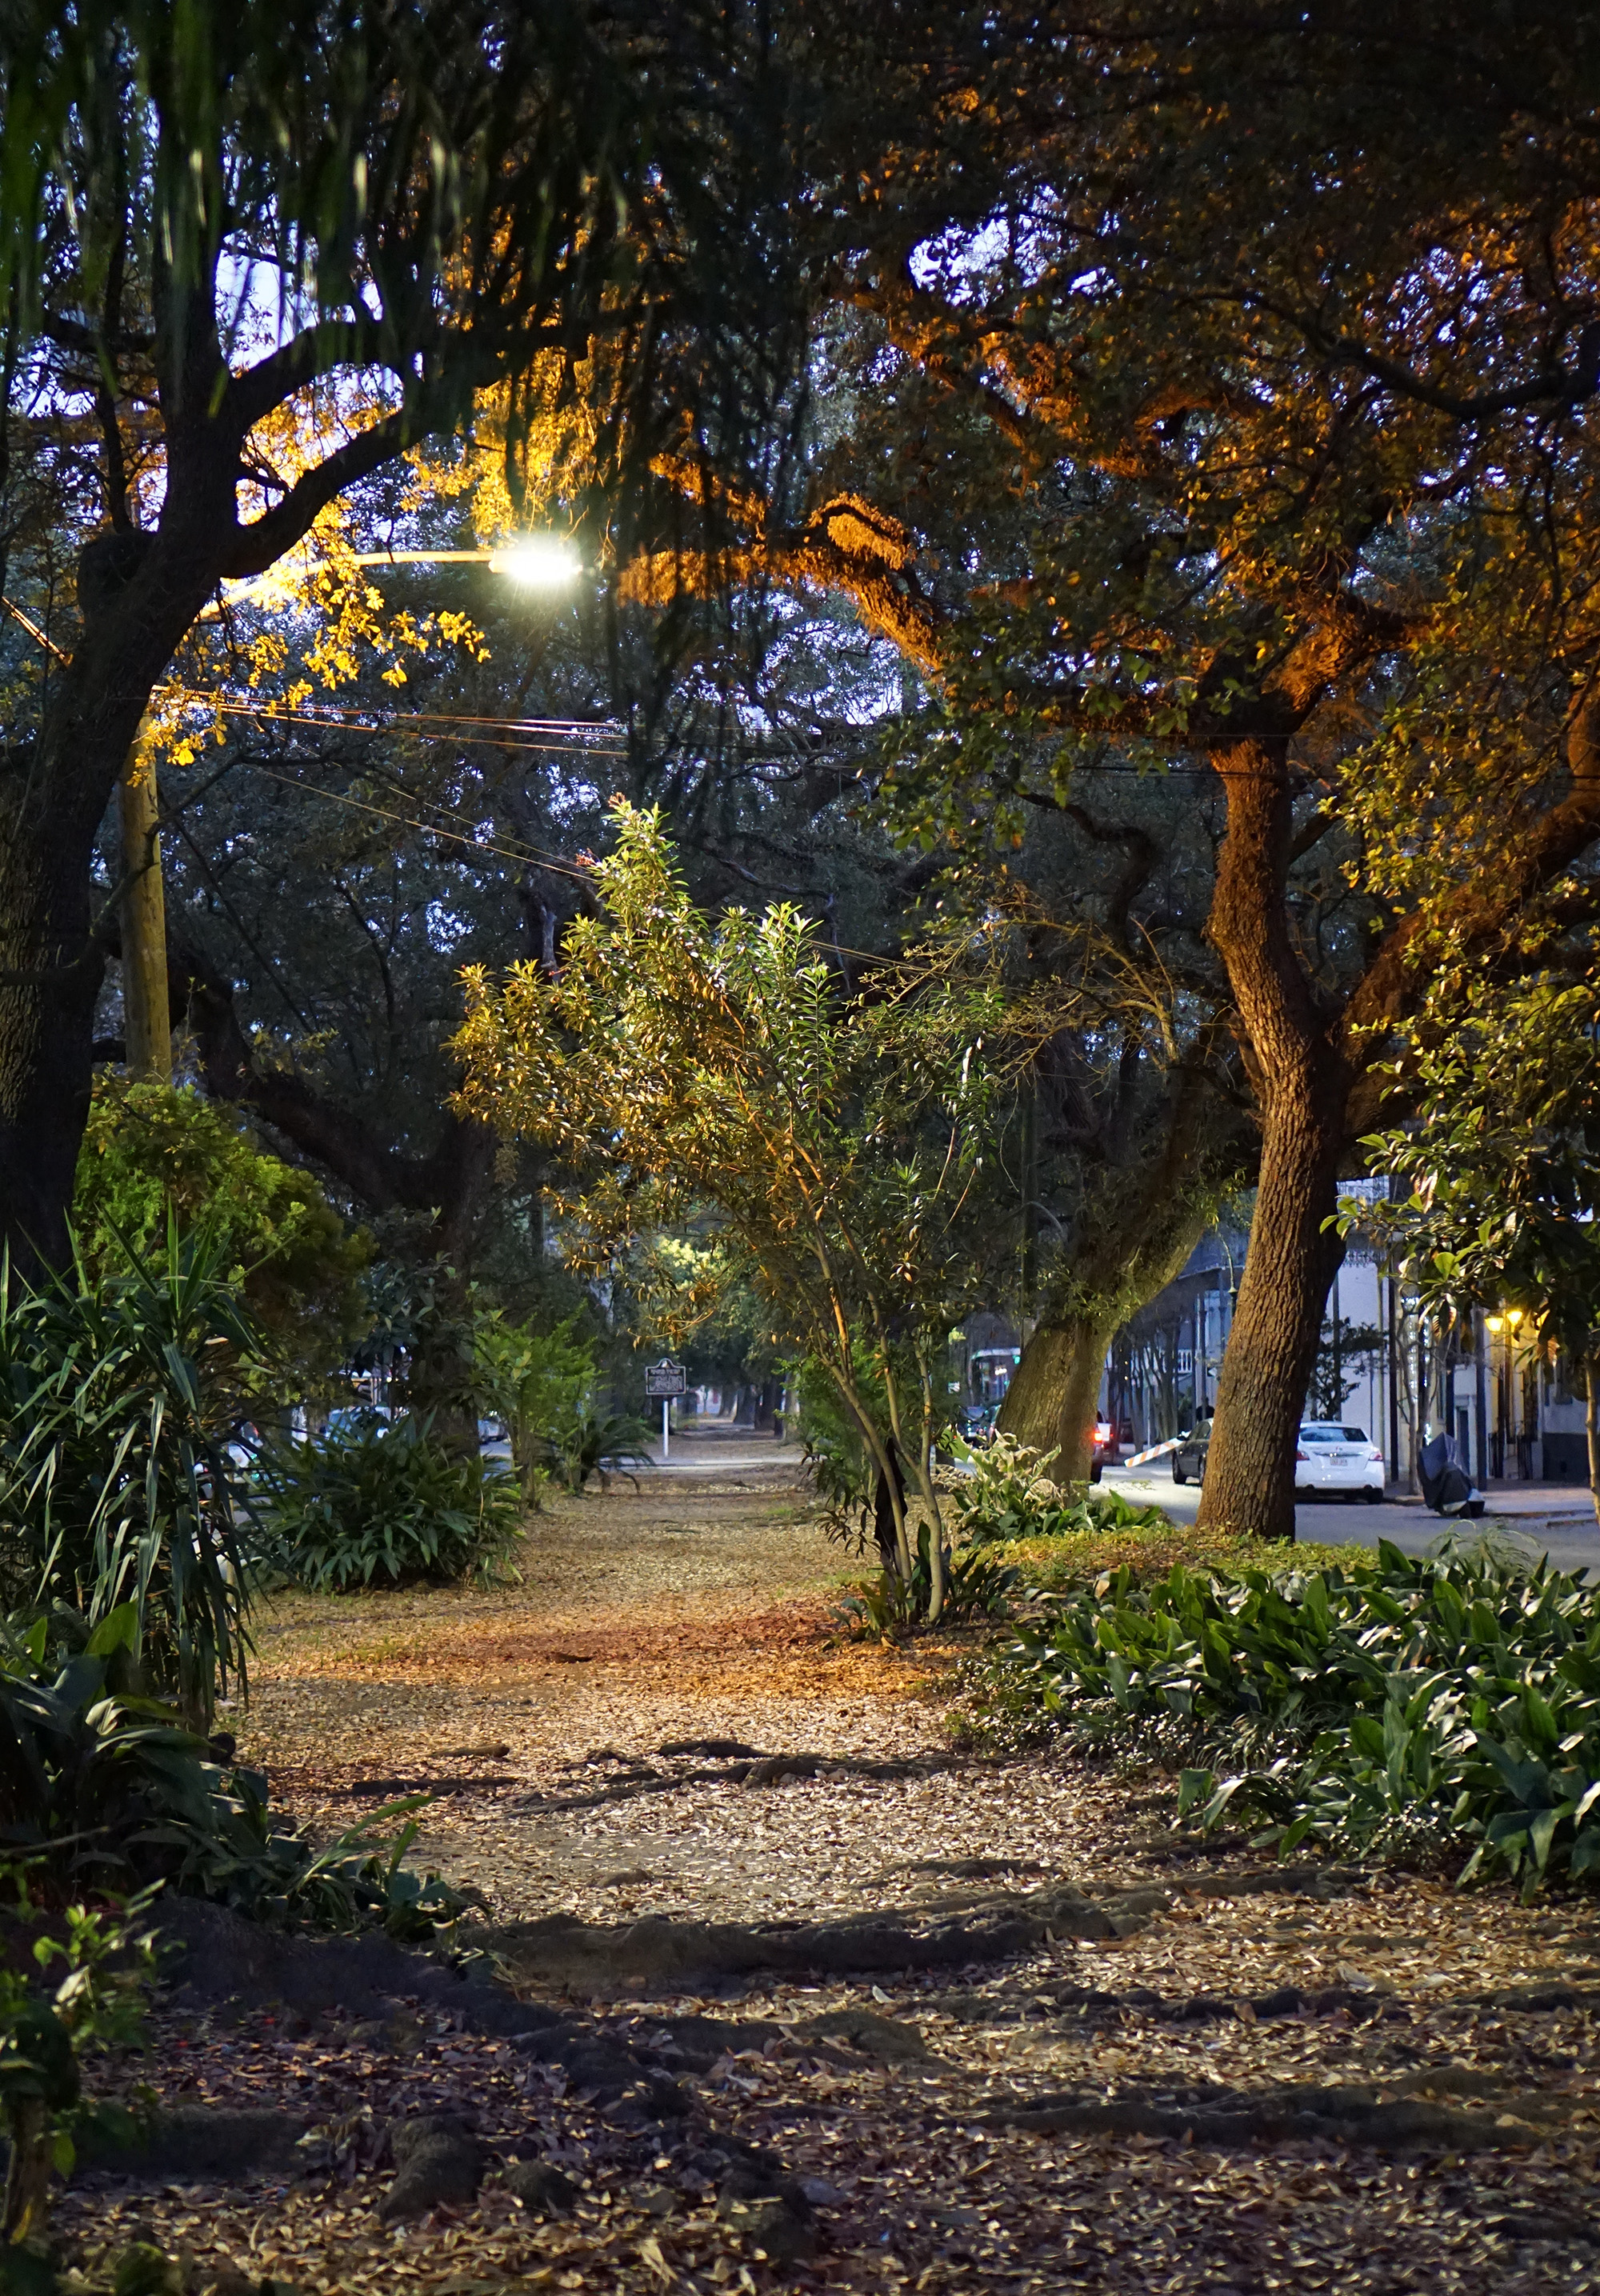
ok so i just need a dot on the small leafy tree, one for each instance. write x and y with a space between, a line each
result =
1503 1163
678 1062
150 1150
108 1965
535 1382
1343 1356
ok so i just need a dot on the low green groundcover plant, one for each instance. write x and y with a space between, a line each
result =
104 1791
389 1501
1389 1708
72 1984
1002 1490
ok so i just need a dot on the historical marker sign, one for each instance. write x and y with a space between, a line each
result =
664 1379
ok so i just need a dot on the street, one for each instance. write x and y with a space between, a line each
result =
1556 1517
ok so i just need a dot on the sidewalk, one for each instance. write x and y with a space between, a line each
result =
1548 1501
717 1446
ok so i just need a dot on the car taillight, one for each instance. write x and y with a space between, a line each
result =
1301 1454
1375 1455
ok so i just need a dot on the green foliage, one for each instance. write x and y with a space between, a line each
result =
588 1442
1002 1490
535 1382
976 1586
149 1150
102 1789
844 1467
117 1398
1504 1164
1338 1371
843 1470
1402 1704
388 1500
107 1965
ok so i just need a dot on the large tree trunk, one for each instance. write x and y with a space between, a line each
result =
137 596
51 963
50 976
1302 1085
1134 1240
1055 1395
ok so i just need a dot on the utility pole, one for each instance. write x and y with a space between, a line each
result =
147 1032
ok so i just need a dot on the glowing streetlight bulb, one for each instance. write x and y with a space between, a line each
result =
1514 1316
541 561
1494 1323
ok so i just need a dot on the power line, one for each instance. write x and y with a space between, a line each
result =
528 856
329 720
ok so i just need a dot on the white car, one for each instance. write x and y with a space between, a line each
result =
1330 1460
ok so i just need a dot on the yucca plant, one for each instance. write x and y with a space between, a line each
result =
118 1400
587 1442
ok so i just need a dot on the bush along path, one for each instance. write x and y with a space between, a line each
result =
779 1986
1438 1708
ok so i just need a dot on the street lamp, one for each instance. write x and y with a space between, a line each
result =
541 561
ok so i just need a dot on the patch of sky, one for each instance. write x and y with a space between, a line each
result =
446 927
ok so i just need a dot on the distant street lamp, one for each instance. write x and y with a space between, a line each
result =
1505 1382
535 561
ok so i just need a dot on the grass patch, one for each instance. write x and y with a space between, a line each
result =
1053 1564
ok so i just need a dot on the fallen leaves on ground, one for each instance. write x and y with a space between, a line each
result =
702 1614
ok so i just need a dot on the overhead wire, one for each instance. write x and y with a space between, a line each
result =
509 734
332 716
528 856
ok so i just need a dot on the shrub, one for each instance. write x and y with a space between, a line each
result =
535 1383
1003 1491
151 1152
388 1500
118 1400
106 1790
47 2030
587 1442
1404 1703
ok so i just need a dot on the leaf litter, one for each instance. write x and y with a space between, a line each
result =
668 1618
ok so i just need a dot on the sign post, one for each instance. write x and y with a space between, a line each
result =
666 1380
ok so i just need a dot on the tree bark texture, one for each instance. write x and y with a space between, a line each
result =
138 595
1302 1085
26 2206
1054 1393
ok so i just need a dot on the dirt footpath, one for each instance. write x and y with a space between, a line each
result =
807 1998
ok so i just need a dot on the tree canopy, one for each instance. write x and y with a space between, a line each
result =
679 1062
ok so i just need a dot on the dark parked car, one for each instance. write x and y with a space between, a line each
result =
1189 1461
